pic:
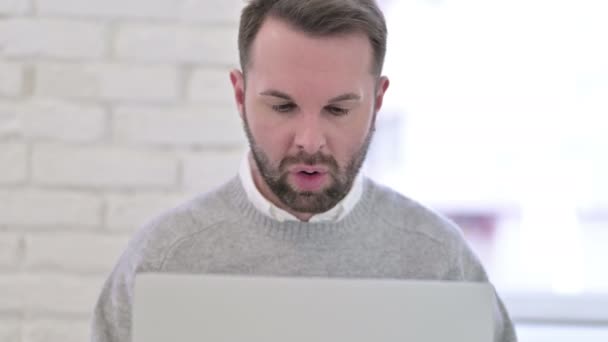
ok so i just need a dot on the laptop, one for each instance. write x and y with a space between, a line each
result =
223 308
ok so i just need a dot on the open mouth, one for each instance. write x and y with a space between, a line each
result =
309 180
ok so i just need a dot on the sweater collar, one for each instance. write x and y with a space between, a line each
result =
358 219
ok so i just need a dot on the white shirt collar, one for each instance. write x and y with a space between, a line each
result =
335 214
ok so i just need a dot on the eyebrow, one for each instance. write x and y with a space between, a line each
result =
343 97
276 93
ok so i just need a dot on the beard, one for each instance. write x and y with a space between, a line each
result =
341 179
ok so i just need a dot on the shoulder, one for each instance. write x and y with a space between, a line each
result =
151 243
410 216
420 222
146 251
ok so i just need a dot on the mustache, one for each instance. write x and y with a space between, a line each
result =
309 159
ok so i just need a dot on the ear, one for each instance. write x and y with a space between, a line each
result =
383 84
238 86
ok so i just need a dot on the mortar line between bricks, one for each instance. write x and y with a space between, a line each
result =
108 132
44 228
40 315
34 187
135 20
120 61
34 8
21 252
71 272
29 148
90 233
16 315
185 73
55 273
103 212
94 189
180 174
111 35
29 79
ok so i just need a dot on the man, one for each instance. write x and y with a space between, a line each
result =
308 95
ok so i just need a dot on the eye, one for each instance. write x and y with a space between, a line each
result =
337 111
284 108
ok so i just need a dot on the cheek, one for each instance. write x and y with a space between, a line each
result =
271 137
346 146
350 138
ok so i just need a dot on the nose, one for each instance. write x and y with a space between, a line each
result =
310 136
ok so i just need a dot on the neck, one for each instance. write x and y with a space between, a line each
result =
264 189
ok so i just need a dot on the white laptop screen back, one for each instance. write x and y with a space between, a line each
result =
212 308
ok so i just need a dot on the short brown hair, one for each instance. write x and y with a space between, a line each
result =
318 18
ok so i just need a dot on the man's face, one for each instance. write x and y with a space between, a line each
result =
308 105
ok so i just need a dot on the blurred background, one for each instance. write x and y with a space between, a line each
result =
114 110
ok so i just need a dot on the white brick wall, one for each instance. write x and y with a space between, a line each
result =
56 251
32 37
181 44
178 126
118 82
62 121
11 78
211 86
49 208
11 294
48 294
207 170
10 245
56 330
128 9
14 7
130 212
111 112
224 11
10 331
13 163
53 120
205 11
9 122
110 167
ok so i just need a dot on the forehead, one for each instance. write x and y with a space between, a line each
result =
281 54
